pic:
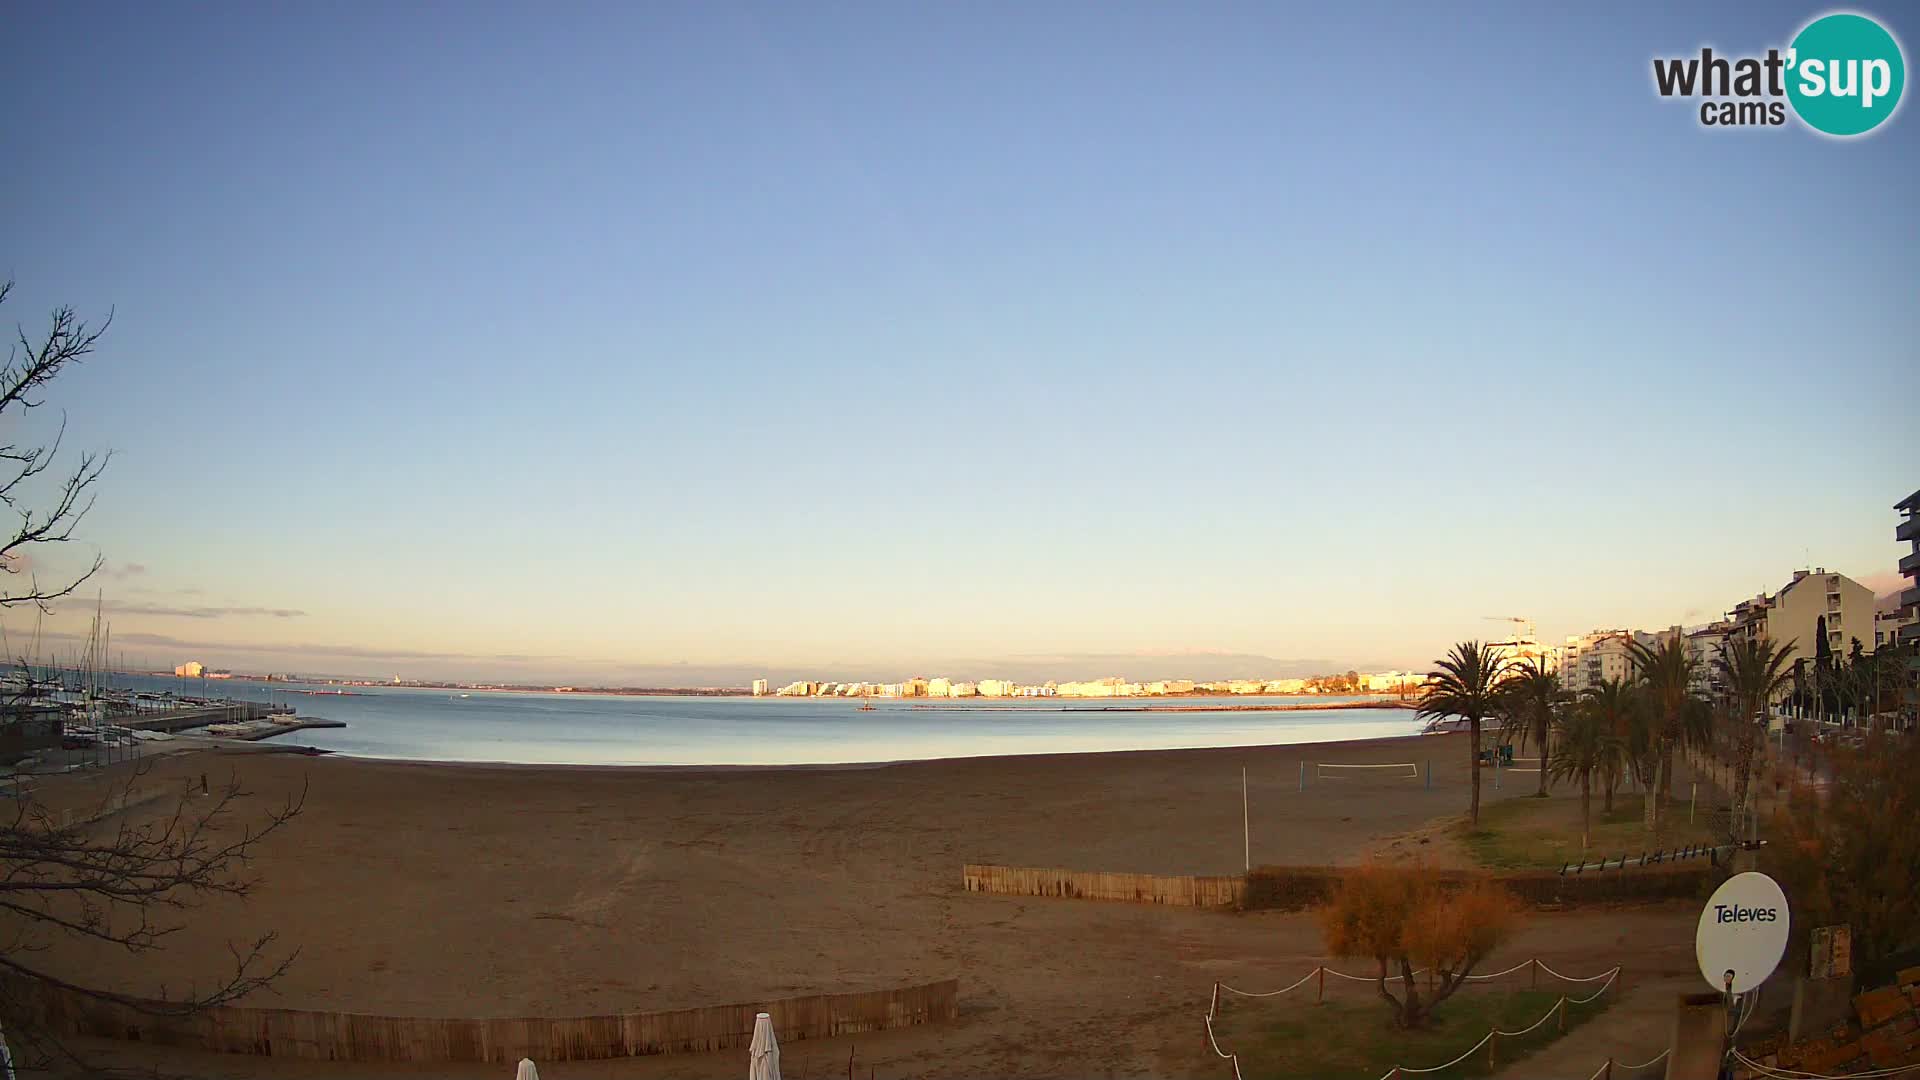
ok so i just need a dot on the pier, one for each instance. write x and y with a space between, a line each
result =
193 716
282 726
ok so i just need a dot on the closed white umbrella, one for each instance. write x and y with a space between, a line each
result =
526 1071
763 1057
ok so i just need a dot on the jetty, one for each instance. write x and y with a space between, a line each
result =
268 727
204 713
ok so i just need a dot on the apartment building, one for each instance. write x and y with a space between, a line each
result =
1601 656
1704 647
1814 604
1909 531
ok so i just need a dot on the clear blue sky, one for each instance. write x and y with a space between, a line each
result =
578 341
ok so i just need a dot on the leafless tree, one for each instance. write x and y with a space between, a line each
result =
112 875
32 363
112 872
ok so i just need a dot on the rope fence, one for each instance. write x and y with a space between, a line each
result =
1558 1009
1795 1074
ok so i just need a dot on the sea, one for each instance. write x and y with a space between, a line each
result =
602 729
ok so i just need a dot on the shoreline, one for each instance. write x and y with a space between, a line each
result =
1060 757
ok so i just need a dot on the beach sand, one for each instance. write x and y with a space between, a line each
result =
474 890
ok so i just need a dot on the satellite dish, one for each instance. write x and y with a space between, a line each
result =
1742 933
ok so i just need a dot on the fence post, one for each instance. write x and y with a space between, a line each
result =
1536 973
1609 1072
1321 997
1563 1014
1493 1042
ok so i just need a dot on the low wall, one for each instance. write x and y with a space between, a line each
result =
330 1036
1095 885
1292 887
1287 888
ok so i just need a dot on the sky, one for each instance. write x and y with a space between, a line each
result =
688 342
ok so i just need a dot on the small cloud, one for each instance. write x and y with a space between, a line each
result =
1884 582
205 612
310 649
122 571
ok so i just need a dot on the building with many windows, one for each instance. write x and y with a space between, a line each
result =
1704 647
1814 604
1909 531
1601 656
1890 624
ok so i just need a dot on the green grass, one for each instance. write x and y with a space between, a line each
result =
1354 1038
1523 834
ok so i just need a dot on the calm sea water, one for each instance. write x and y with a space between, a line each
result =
587 729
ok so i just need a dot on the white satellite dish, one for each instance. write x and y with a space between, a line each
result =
1742 933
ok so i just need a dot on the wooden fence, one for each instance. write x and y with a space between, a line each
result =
1094 885
329 1036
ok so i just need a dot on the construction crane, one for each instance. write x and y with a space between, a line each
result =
1517 620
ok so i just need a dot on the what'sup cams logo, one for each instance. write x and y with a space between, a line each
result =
1842 76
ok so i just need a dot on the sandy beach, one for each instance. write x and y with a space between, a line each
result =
477 890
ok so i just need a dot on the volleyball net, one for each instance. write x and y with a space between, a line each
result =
1335 770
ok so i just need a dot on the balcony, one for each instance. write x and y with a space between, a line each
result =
1910 598
1910 564
1908 529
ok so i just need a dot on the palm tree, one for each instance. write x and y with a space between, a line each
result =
1754 672
1466 684
1665 672
1532 698
1617 705
1584 747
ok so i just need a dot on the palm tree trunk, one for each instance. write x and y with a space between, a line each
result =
1586 809
1473 767
1664 805
1543 763
1648 789
1609 781
1742 781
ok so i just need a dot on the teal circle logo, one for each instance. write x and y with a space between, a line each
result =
1845 74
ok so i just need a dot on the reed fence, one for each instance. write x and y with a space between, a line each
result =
1099 885
334 1036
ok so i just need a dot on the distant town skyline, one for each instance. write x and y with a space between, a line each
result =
1028 669
754 339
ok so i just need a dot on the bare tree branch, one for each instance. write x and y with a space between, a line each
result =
31 364
113 875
